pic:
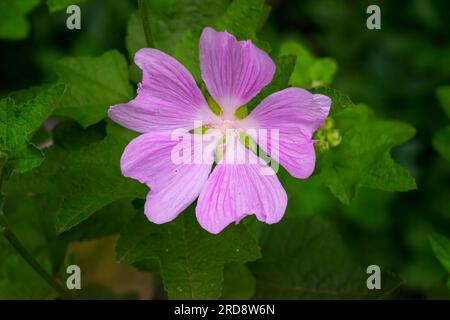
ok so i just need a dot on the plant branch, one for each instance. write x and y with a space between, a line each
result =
23 252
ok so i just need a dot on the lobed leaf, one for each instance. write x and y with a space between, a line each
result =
363 157
94 84
191 260
82 180
21 114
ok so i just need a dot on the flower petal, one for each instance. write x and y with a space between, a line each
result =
175 182
168 97
233 71
235 190
292 115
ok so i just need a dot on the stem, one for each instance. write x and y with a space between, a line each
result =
23 252
145 17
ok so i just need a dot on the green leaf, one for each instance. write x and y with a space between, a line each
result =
363 157
239 283
83 180
309 71
441 142
443 95
32 225
21 114
94 84
191 259
13 22
57 5
305 258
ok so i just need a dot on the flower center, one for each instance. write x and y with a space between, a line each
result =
226 125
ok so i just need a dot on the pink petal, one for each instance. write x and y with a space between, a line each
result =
233 71
174 186
168 97
295 113
234 191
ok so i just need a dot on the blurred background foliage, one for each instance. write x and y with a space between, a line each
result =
395 70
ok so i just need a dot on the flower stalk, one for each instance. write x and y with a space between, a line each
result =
9 235
23 252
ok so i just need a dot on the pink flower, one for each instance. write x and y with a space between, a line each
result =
169 99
